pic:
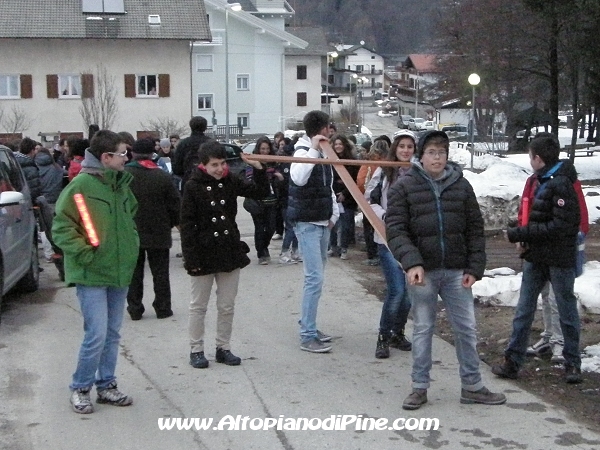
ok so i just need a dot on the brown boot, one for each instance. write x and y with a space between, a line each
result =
415 399
483 396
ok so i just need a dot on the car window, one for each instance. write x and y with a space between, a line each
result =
10 167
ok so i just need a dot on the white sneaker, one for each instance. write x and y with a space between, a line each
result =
296 256
286 258
277 237
557 353
541 346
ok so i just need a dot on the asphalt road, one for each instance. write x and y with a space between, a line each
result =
40 334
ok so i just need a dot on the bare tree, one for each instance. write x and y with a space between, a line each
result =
165 126
15 121
101 107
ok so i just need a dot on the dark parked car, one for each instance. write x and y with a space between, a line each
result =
234 160
19 265
403 121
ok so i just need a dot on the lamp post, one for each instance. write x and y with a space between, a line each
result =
362 122
233 7
474 80
331 55
417 95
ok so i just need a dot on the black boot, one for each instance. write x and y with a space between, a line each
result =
226 357
399 341
383 346
508 369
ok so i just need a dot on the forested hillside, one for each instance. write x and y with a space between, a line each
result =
389 26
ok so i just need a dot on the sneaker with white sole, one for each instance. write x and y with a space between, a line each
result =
323 337
296 256
277 237
344 253
314 345
81 402
541 346
112 396
557 353
286 258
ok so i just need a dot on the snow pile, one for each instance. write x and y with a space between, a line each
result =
590 360
501 287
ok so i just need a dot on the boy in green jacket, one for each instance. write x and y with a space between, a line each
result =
94 227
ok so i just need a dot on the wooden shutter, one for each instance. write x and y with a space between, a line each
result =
52 86
26 86
87 85
129 85
164 85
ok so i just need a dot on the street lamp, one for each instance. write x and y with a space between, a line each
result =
331 55
474 80
362 122
233 7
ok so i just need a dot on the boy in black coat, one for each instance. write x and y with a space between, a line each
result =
550 242
211 244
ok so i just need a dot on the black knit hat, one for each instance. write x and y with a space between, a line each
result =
143 146
427 137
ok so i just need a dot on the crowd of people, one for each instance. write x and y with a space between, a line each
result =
114 202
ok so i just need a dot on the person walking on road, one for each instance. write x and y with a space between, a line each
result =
212 248
157 213
434 228
312 207
95 228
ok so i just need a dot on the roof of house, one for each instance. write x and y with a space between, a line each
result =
179 20
258 23
422 63
345 50
250 6
315 36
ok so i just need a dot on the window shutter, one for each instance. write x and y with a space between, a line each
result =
164 85
87 85
52 86
129 85
26 86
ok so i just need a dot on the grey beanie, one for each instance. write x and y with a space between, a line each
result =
165 142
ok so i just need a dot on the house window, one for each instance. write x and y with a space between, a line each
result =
243 120
9 86
205 101
359 68
147 85
69 86
301 99
243 82
204 63
301 72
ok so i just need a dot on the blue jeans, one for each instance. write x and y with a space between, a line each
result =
396 305
313 240
342 233
535 277
289 237
102 309
458 301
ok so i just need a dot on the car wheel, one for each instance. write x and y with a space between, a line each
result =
30 282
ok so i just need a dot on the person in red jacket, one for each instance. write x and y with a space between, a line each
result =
551 338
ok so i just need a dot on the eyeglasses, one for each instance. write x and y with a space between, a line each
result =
122 155
433 154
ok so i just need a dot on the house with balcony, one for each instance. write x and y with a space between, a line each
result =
119 63
360 68
239 76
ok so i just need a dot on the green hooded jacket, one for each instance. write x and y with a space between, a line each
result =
112 207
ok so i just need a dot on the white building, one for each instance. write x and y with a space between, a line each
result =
360 66
250 61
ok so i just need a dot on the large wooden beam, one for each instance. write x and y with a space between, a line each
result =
336 162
